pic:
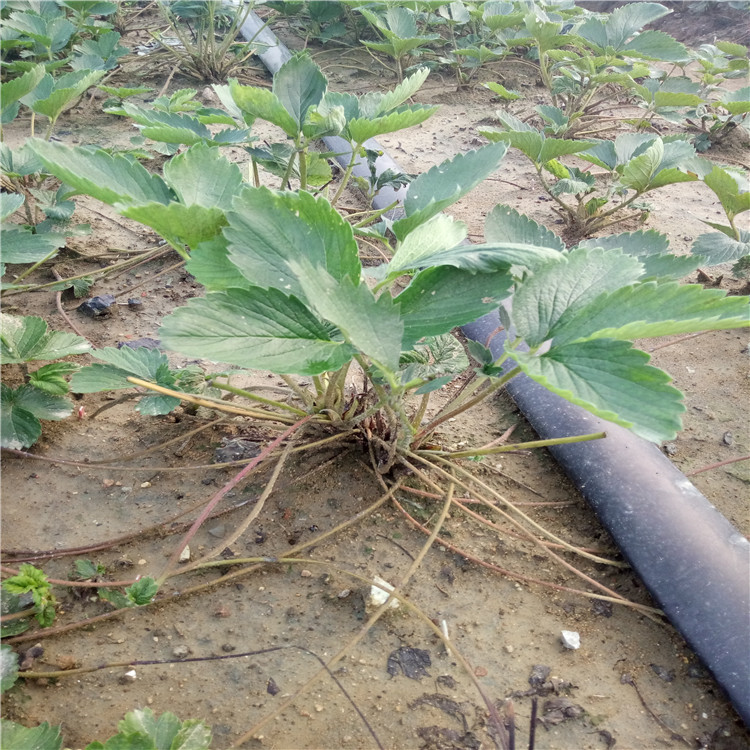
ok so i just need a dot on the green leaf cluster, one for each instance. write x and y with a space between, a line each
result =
42 737
143 730
31 580
27 339
578 314
297 303
401 37
86 569
620 32
39 240
533 143
147 364
730 242
302 107
100 53
179 119
137 595
139 730
636 162
24 340
187 206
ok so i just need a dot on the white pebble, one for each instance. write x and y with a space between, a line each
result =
571 639
379 594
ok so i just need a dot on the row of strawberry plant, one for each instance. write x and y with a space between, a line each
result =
635 164
286 290
583 56
194 205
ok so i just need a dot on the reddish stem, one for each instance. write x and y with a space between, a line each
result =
717 465
231 484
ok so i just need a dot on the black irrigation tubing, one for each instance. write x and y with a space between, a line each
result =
692 560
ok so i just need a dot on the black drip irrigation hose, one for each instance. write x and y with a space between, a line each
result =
694 563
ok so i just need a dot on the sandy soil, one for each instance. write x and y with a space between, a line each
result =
633 681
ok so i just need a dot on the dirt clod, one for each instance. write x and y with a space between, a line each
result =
410 661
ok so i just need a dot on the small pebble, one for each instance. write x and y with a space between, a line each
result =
379 595
663 673
180 652
570 639
97 307
129 676
480 672
108 482
144 485
218 531
727 438
185 554
306 574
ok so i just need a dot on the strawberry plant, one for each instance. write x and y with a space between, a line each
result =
31 580
208 32
43 396
636 164
364 350
47 37
621 33
730 242
720 62
118 94
582 56
667 97
301 105
297 305
471 41
60 33
720 110
401 37
136 595
48 96
182 124
315 20
186 206
31 243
